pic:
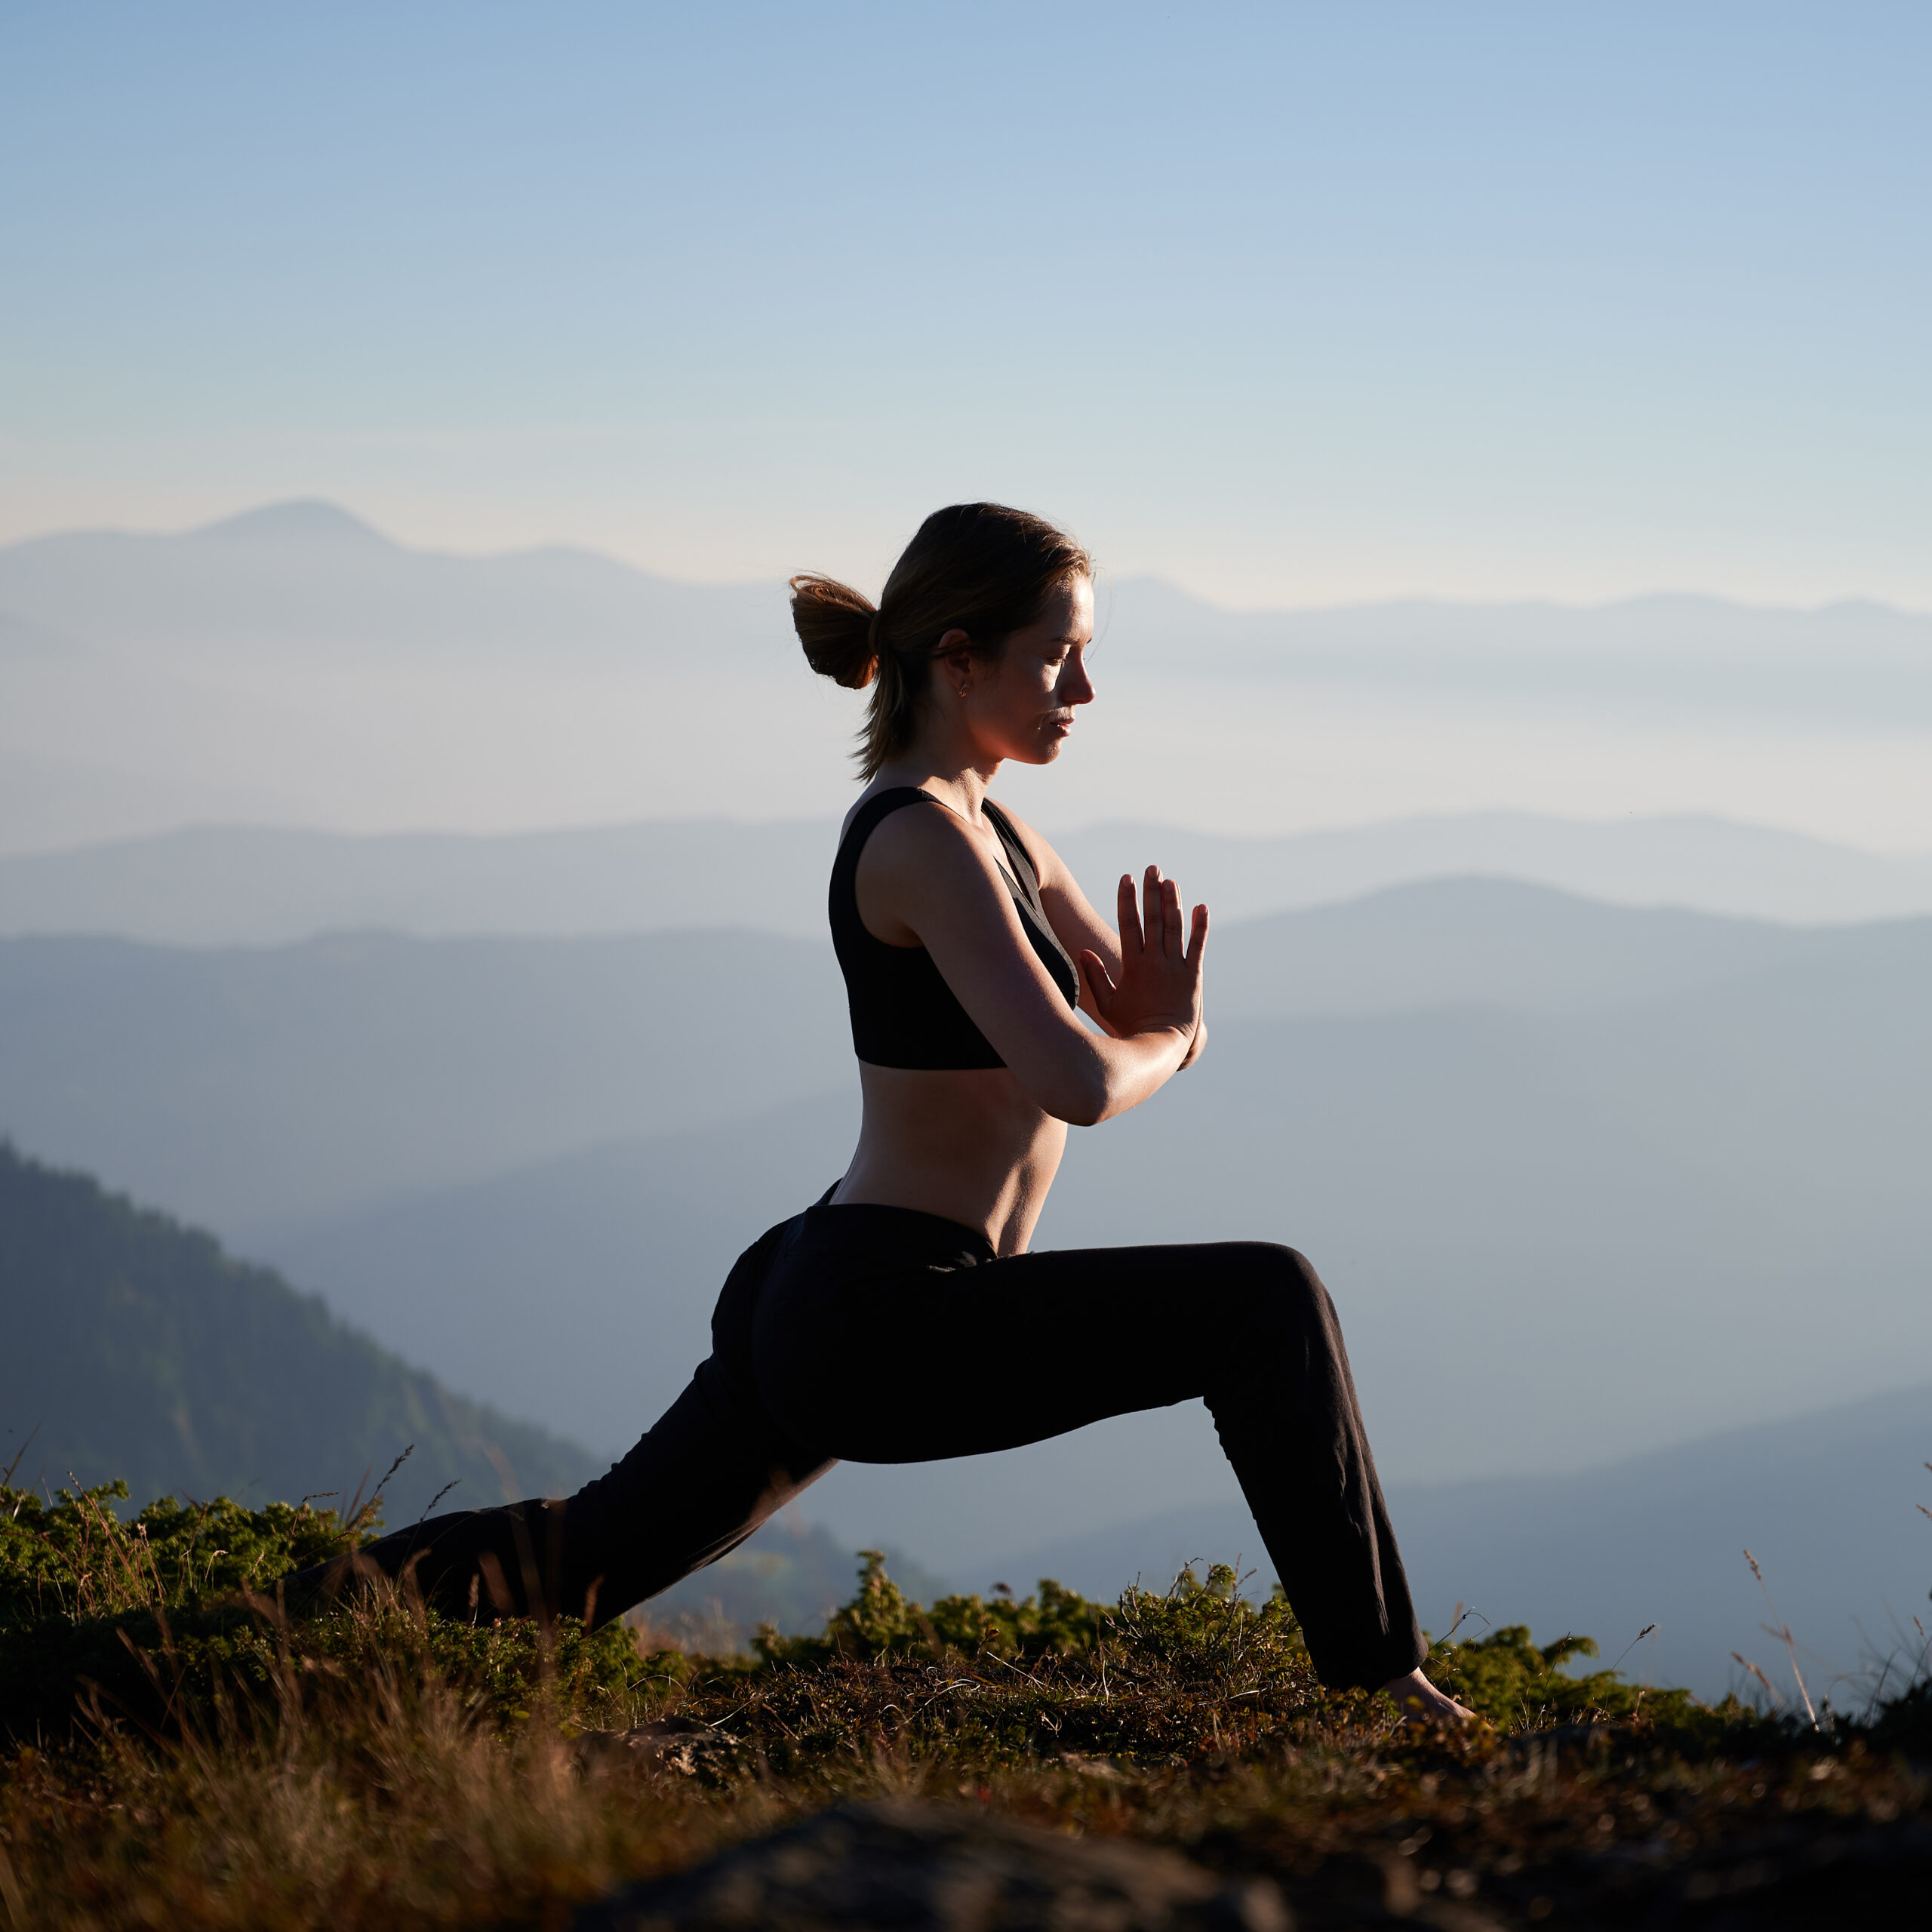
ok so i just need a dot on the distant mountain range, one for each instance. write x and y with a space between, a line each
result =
300 577
294 667
1650 1173
246 1087
260 886
1851 661
294 578
258 1088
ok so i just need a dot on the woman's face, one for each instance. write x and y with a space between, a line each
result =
1022 706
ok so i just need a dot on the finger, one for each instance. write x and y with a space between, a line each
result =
1170 918
1200 936
1152 915
1130 917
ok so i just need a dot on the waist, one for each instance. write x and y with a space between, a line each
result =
967 1147
862 1229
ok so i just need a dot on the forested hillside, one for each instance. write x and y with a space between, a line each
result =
135 1347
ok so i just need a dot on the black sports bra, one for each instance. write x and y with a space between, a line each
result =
903 1013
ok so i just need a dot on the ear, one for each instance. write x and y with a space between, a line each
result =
954 653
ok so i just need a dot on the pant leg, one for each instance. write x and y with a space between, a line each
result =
712 1469
890 1343
887 1335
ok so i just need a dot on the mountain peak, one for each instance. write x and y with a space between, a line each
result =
305 521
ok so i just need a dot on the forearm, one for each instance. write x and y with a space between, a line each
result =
1123 1073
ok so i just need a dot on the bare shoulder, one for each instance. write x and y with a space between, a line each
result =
924 843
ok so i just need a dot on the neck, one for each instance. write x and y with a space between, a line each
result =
962 782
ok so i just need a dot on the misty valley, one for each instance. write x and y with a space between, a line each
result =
1585 1179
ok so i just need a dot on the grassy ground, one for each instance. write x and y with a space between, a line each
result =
182 1754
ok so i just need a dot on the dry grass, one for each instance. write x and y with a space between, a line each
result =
391 1796
376 1767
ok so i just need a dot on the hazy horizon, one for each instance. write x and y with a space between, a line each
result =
299 668
238 520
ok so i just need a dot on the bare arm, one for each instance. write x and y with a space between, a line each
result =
923 878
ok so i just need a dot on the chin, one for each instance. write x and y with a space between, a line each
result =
1032 754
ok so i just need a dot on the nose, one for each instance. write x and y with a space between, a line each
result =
1077 687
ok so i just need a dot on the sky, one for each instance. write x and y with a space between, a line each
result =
1291 305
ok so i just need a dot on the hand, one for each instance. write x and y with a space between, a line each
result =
1159 987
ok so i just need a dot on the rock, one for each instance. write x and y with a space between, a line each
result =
914 1867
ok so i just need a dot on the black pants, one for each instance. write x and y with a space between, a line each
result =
875 1334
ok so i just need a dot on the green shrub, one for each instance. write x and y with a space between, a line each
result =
1521 1685
74 1557
178 1605
880 1621
159 1617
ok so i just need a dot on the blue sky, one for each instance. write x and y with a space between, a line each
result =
1290 304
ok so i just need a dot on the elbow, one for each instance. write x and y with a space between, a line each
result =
1080 1097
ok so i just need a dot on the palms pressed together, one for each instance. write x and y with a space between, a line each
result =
1159 987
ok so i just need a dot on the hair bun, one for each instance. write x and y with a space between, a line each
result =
838 628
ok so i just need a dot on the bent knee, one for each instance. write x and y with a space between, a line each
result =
1285 1287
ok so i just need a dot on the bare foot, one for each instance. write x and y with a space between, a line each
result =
1420 1702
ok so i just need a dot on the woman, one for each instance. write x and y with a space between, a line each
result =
879 1325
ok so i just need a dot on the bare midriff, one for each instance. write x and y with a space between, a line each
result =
967 1146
